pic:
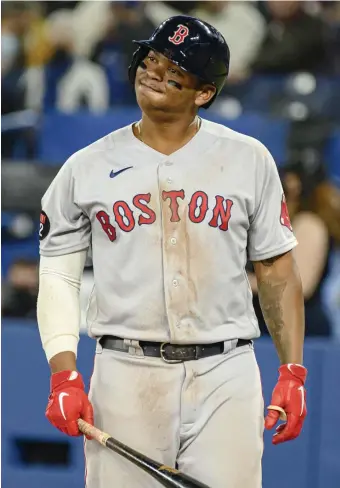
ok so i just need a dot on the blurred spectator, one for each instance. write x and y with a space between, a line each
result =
184 8
294 40
67 82
331 16
314 208
243 27
51 6
115 49
100 20
327 204
12 89
92 18
10 52
25 21
12 59
18 35
157 12
20 292
331 294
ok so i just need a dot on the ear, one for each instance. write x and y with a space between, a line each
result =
204 94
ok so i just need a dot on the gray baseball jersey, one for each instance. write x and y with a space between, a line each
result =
170 235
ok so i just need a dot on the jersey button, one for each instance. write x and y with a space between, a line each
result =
175 282
173 240
168 163
169 180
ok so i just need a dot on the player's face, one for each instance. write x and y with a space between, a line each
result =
162 85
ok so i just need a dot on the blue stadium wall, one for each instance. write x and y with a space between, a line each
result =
60 135
312 461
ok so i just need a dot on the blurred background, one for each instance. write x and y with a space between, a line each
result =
64 85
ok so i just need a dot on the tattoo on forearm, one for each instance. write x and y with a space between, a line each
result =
270 299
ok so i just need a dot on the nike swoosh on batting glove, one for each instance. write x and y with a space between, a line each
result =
290 395
68 402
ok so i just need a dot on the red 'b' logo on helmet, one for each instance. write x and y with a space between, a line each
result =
179 35
284 217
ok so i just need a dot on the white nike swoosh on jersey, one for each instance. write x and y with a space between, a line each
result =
61 396
302 399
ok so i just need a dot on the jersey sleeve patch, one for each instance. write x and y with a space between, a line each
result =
284 216
44 226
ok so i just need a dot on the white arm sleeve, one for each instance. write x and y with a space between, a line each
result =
58 309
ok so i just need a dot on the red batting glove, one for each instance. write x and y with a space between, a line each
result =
68 402
289 394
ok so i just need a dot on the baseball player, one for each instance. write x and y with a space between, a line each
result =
172 207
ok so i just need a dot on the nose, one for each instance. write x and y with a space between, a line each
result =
155 72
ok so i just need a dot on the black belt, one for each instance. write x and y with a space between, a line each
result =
170 353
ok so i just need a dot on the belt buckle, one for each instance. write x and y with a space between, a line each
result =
170 361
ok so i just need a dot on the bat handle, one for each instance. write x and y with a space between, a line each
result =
283 415
91 431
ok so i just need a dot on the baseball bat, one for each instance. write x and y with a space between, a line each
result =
168 477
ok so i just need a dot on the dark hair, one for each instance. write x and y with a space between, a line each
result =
24 262
311 173
318 195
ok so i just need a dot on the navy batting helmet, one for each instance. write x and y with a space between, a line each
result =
195 46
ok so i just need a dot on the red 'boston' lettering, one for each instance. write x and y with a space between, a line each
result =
203 207
221 212
108 228
127 215
173 195
138 203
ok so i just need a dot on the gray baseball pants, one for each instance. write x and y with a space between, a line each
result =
204 416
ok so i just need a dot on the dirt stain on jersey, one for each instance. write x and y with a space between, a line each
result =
187 260
158 391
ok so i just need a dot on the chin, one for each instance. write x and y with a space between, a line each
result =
151 100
